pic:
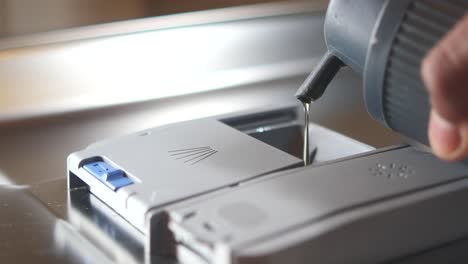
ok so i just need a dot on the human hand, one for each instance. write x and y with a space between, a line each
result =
445 73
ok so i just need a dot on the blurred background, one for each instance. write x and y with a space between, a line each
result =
20 17
61 56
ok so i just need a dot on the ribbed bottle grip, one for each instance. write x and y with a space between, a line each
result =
405 100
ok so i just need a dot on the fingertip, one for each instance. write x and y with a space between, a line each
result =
444 137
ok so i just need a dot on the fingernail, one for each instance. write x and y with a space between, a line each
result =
444 136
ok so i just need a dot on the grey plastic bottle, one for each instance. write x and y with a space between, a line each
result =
385 42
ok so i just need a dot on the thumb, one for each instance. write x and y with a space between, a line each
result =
448 141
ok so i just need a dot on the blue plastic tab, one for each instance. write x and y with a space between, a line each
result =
113 178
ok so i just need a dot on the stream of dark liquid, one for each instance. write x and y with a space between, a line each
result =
305 148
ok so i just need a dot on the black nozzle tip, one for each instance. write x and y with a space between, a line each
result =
315 84
302 96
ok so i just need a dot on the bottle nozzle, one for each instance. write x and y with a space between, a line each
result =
315 84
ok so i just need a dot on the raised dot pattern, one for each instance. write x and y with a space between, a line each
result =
392 170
